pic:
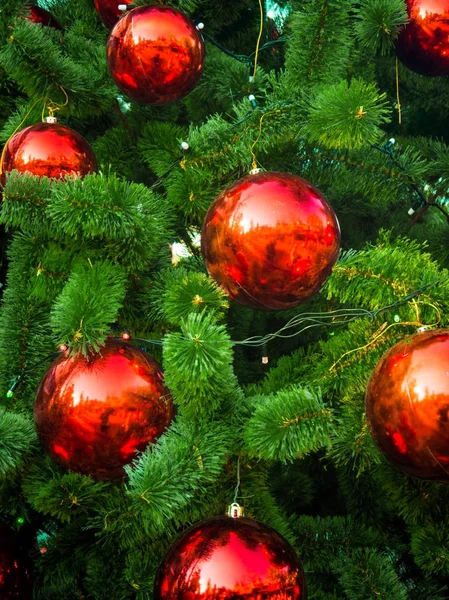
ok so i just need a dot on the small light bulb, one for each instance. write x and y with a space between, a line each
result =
271 14
252 100
200 26
126 336
185 146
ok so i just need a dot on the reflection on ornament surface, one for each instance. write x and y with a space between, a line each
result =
14 575
41 16
109 10
407 405
270 240
423 44
92 416
50 150
225 558
155 54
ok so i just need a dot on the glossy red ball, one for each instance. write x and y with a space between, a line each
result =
109 11
48 149
423 44
36 14
407 405
14 572
230 558
92 416
155 54
270 240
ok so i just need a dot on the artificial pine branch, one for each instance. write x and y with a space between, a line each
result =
288 424
80 317
17 441
197 364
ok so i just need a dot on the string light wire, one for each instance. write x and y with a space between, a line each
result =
308 320
304 321
388 149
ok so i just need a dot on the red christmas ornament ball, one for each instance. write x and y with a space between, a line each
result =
93 415
155 54
224 557
15 581
109 10
407 405
270 240
48 149
423 44
36 14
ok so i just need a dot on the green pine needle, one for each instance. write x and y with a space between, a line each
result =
64 497
369 575
176 471
80 316
17 440
347 116
430 547
198 364
379 23
193 293
288 425
352 443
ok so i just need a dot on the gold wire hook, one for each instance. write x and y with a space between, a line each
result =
256 54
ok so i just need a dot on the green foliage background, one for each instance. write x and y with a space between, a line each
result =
89 258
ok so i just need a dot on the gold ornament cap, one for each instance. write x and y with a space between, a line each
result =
235 511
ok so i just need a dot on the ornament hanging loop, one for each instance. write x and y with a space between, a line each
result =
398 96
51 117
254 164
237 487
53 107
235 511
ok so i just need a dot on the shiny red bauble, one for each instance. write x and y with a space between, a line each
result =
48 149
407 405
93 416
423 44
41 16
270 240
230 559
155 54
109 10
14 573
